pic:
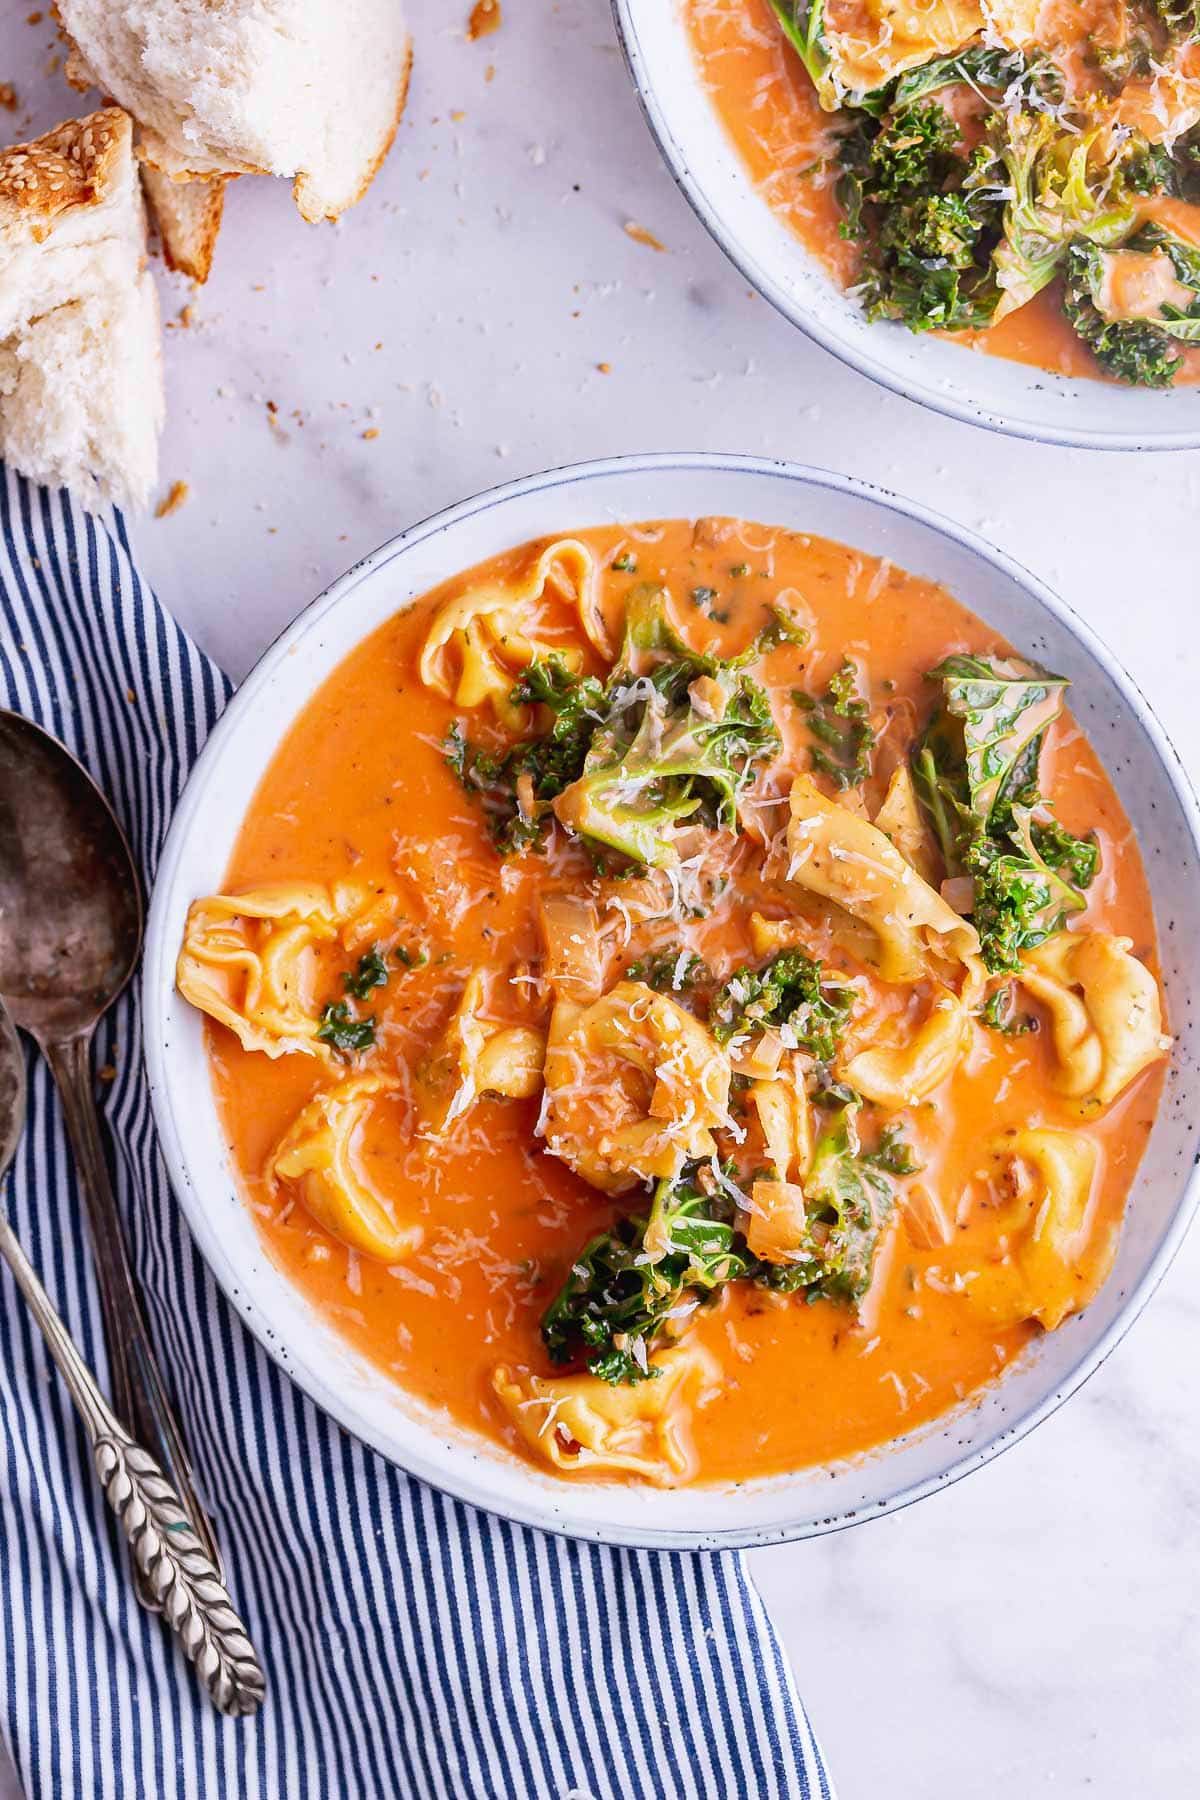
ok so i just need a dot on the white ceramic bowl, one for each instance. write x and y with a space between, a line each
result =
967 384
1140 760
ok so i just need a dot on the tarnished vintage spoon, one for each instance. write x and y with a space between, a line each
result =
70 936
179 1573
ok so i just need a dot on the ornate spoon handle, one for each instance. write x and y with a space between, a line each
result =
168 1555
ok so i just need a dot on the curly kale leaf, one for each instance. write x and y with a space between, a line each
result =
976 773
345 1031
636 1285
926 218
1003 707
1007 73
1020 900
1060 186
840 725
848 1200
1140 351
803 23
682 736
673 735
619 1298
787 994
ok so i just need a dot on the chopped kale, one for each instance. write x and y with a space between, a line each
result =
999 1013
787 994
975 770
635 1285
617 1296
669 971
673 735
372 972
344 1030
840 724
893 1153
1143 350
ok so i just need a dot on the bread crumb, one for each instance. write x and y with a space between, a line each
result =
640 235
489 74
485 18
8 96
171 502
457 117
604 368
54 65
187 316
373 432
34 18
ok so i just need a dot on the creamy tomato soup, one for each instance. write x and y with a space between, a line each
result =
1024 175
682 1002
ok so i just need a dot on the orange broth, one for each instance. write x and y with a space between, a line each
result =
359 787
771 113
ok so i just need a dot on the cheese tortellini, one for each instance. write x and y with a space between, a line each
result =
581 1424
897 1075
1105 1013
1056 1259
843 858
480 642
901 822
775 1221
247 961
318 1159
477 1056
871 42
634 1087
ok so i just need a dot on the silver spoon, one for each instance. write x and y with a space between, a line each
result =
174 1564
70 936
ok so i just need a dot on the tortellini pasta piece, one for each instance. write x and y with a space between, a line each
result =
896 1075
476 1056
1105 1013
246 961
870 42
844 859
581 1424
775 1221
1056 1259
479 642
634 1087
317 1158
901 821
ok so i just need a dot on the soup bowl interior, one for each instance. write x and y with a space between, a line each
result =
967 384
1144 770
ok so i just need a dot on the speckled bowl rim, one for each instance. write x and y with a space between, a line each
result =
869 358
552 1514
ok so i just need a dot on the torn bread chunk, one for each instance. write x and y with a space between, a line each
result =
81 390
253 87
187 217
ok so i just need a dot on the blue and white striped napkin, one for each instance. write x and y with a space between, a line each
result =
414 1647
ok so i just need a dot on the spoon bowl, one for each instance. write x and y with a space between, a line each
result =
70 899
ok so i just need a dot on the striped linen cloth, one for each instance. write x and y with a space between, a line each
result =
414 1646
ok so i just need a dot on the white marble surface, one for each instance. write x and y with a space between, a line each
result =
1032 1630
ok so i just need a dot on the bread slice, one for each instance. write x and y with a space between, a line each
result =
311 89
187 216
81 392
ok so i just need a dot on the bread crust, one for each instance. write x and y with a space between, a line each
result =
308 202
187 216
76 164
